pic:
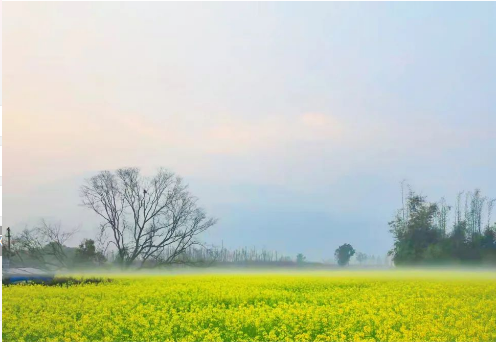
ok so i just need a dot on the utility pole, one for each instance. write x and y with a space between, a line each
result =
8 242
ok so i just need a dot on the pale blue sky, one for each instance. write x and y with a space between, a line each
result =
294 123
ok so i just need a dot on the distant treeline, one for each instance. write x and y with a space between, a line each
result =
44 247
437 233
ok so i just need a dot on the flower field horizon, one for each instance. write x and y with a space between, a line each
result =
413 305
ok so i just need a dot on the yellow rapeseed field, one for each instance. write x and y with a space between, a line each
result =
324 306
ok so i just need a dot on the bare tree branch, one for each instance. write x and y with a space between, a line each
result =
145 216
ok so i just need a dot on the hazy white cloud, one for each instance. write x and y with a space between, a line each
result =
270 133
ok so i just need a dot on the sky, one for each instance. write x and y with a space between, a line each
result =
293 123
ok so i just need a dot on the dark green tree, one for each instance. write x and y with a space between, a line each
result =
415 232
300 258
87 252
421 234
343 254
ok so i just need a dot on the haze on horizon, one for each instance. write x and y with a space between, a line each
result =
294 123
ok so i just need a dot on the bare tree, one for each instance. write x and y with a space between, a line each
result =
475 211
490 205
442 215
148 218
102 243
45 244
458 211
